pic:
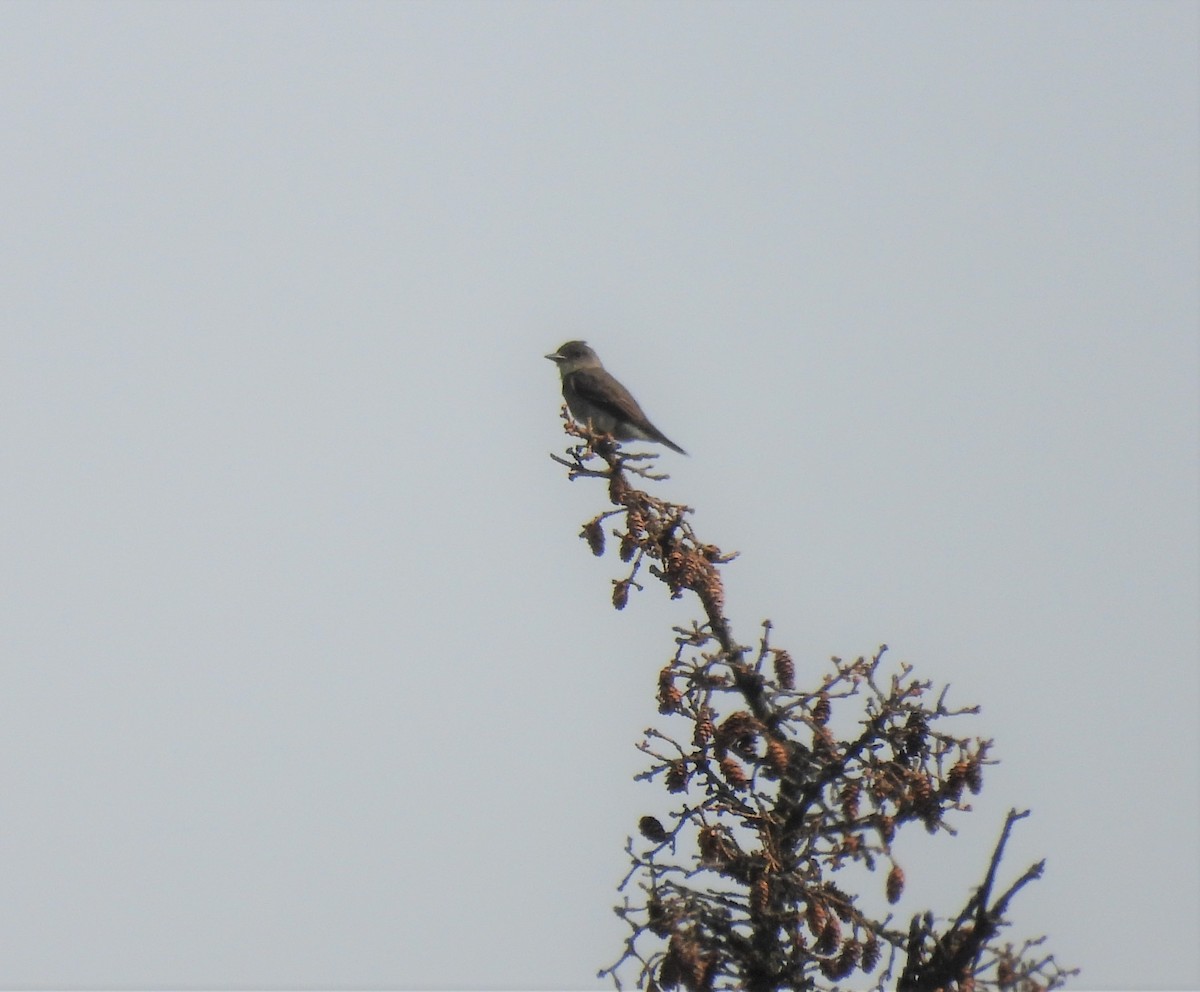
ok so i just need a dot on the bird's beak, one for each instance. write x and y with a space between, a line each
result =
554 358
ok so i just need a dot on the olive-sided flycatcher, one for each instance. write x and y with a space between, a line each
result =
594 397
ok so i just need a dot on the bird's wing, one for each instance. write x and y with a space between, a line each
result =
602 390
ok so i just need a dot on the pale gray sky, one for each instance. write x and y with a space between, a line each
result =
308 679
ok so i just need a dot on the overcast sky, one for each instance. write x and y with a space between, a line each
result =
308 680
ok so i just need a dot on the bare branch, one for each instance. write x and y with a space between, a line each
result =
732 888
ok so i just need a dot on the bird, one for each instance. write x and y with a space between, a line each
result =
594 397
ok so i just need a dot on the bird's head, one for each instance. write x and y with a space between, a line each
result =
575 355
